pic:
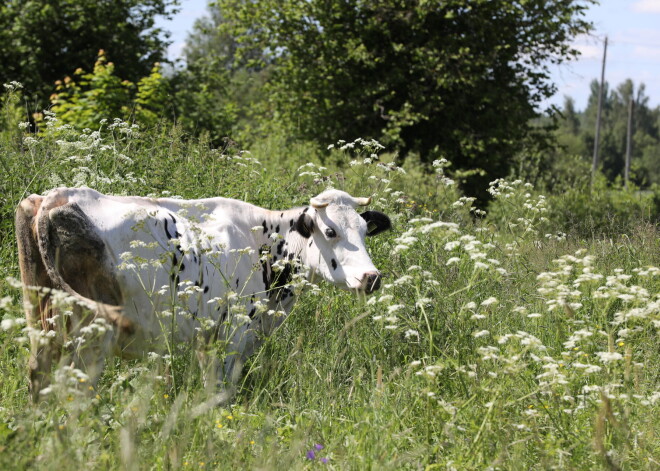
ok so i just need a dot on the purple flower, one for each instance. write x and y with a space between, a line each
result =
318 446
311 455
325 460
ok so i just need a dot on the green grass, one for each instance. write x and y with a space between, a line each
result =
413 377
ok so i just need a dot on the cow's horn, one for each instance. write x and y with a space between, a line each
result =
363 201
317 203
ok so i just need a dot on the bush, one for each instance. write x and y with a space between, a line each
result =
603 211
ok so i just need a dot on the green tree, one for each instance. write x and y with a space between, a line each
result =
569 164
86 99
456 78
614 124
41 41
218 92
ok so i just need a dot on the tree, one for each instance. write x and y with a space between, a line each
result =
218 92
87 98
41 41
457 78
576 130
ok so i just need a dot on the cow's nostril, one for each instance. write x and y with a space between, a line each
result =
371 282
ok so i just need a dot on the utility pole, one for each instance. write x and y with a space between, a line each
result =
594 164
629 140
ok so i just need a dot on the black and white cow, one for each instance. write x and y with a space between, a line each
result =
169 270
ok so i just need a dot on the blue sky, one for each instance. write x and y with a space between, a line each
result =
632 26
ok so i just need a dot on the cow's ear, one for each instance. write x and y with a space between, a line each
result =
304 225
377 222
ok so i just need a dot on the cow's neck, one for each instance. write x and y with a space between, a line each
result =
281 245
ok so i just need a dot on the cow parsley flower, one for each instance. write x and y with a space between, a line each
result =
607 357
411 333
489 301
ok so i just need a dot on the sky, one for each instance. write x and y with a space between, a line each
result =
633 51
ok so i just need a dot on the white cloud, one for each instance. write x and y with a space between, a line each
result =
589 51
647 52
646 6
589 46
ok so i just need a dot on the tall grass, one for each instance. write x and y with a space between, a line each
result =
497 340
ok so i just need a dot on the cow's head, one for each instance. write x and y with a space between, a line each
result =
335 235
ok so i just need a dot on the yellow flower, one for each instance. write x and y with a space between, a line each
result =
166 396
230 417
219 425
621 344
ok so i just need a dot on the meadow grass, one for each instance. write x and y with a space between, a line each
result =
496 342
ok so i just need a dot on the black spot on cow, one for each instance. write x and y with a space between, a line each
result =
167 232
237 281
178 247
281 278
310 243
277 229
305 210
251 313
281 215
173 218
177 234
175 262
271 227
183 267
194 314
291 223
334 264
265 226
196 283
279 247
206 289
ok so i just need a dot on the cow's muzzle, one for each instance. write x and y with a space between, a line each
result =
371 282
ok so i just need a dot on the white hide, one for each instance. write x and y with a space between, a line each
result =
183 265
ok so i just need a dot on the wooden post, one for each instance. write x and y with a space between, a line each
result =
594 164
628 140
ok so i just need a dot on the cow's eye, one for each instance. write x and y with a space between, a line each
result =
330 233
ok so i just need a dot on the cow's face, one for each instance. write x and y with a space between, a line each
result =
335 235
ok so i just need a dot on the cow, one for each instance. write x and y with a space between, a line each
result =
140 272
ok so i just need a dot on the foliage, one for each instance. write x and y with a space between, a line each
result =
570 162
604 211
41 41
217 93
488 345
459 80
101 95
